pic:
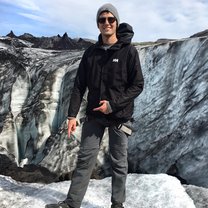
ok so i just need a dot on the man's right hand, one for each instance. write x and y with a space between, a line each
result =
72 123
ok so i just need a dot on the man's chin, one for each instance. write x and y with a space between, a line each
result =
107 34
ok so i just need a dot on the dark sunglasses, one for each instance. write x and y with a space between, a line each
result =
102 20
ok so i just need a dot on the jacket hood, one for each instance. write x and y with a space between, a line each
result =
125 33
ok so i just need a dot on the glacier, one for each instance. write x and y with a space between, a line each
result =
171 115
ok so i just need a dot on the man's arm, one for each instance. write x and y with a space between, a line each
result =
77 95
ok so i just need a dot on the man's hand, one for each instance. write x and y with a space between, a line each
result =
103 107
72 123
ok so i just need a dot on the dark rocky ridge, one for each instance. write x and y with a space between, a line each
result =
200 34
54 42
29 173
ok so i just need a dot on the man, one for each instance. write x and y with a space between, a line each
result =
111 71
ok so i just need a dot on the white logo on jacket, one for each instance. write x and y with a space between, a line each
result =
115 60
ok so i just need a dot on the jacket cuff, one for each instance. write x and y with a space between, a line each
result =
70 117
109 109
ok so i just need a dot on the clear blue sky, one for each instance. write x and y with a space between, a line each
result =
151 19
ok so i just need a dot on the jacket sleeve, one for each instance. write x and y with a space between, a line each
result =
135 82
78 89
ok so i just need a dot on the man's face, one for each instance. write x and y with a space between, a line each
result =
107 24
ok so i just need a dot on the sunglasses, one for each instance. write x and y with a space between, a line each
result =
102 20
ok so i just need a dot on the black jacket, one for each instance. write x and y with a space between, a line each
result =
114 75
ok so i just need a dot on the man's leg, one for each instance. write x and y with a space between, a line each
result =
92 133
118 143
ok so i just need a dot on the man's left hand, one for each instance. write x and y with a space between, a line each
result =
103 107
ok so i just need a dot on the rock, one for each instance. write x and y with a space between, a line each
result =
200 34
29 173
198 194
164 40
11 34
14 42
52 43
55 42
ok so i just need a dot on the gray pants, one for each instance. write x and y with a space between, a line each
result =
92 134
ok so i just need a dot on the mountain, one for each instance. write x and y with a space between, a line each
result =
11 34
54 42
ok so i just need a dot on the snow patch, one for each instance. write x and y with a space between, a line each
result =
143 191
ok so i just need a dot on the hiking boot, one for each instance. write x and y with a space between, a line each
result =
59 205
117 205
